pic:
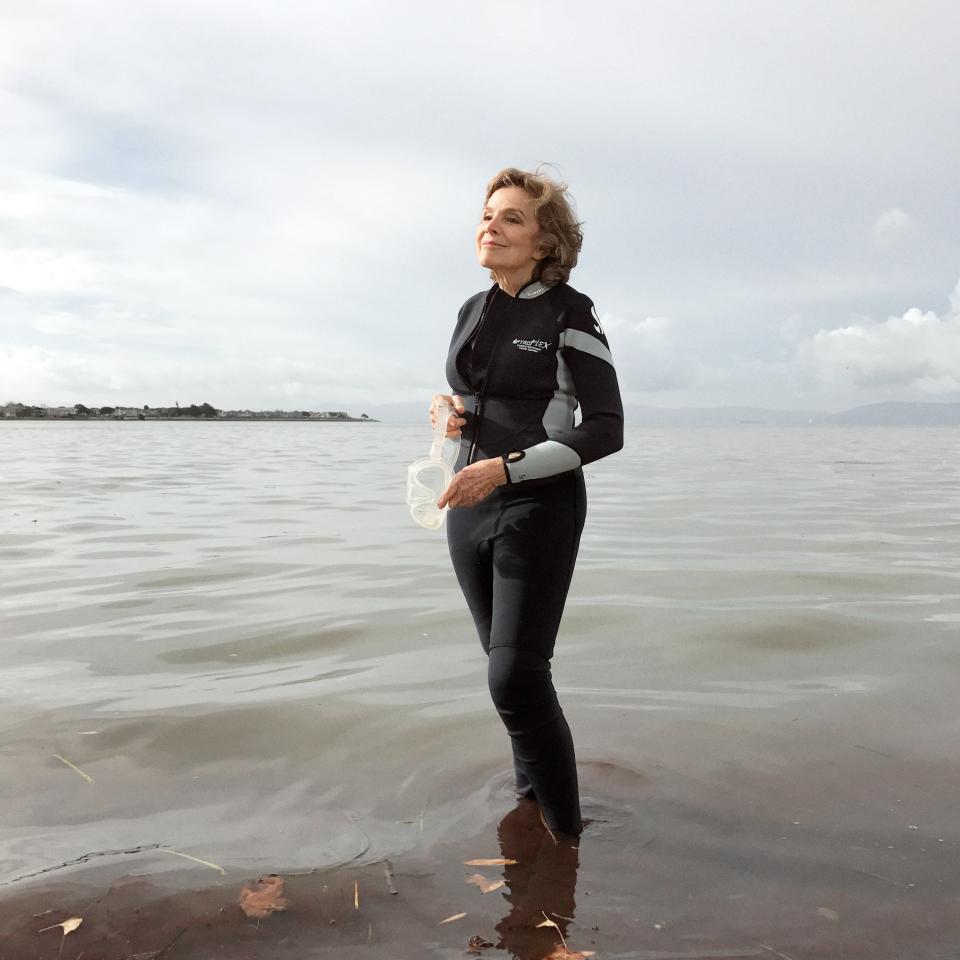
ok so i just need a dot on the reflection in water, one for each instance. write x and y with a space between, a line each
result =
541 883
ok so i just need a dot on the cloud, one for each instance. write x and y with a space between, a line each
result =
305 184
919 350
891 227
45 271
648 356
97 372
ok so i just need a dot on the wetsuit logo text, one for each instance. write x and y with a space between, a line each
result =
532 346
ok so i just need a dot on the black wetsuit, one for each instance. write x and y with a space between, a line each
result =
522 364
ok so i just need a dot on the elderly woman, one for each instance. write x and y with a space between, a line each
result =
524 354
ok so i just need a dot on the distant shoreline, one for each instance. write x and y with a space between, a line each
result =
108 419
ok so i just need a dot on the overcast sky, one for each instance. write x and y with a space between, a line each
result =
272 205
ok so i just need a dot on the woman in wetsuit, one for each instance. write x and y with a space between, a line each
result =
524 355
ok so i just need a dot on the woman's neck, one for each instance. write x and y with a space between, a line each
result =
512 282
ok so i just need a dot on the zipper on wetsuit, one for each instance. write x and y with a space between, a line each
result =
477 411
478 395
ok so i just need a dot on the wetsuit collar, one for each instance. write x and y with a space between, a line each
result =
531 289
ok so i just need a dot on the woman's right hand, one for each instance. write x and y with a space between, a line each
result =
455 422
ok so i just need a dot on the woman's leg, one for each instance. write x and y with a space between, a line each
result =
534 552
468 539
523 693
514 556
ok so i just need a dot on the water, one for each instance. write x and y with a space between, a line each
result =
237 631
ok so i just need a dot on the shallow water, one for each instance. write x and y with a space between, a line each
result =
237 632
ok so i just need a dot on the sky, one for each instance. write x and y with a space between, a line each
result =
273 205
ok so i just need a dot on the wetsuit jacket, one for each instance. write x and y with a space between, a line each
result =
522 364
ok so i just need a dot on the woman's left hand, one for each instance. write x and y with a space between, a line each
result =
474 483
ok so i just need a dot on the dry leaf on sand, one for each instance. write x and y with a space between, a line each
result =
491 862
477 943
562 951
485 884
456 916
68 925
263 899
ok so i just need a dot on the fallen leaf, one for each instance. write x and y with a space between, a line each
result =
491 862
828 913
486 885
68 925
562 951
477 943
356 894
456 916
266 898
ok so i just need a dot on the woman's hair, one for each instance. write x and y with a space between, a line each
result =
560 232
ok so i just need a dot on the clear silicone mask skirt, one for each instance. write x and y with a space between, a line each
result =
428 477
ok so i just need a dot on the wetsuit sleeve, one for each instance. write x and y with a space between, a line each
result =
586 363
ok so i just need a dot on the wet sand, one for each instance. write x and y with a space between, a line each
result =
264 671
808 860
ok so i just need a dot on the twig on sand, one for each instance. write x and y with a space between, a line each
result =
418 819
771 949
546 825
76 769
179 934
547 922
388 871
877 876
186 856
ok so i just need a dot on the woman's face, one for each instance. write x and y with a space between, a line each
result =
508 234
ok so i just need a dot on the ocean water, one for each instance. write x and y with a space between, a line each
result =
238 634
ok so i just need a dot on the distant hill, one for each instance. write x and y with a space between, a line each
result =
718 416
896 414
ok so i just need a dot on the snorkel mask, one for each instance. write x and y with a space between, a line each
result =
428 477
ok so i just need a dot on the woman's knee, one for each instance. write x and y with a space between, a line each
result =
520 683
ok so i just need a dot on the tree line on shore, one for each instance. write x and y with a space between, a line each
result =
80 411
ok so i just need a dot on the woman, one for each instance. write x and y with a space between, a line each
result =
523 355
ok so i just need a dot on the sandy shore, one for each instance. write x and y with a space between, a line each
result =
668 869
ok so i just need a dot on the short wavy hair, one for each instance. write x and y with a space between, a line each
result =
560 232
